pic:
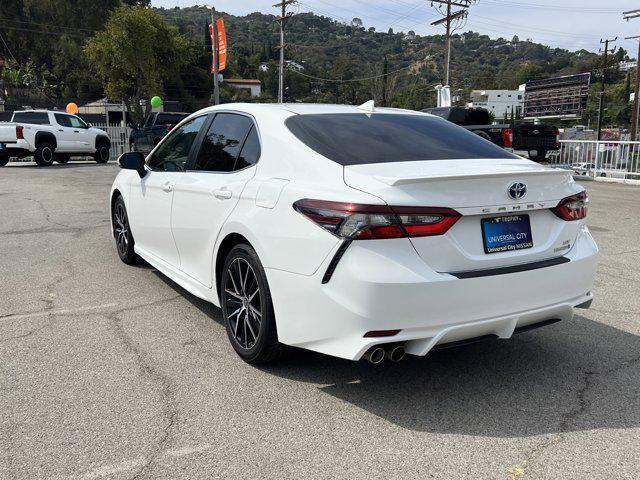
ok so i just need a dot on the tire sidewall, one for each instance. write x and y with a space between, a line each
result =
267 326
102 153
129 256
44 155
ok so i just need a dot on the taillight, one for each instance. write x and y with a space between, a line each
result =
573 207
169 128
19 132
507 137
367 222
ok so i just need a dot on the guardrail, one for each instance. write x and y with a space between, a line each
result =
600 160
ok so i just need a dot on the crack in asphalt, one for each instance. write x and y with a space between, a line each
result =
520 470
167 397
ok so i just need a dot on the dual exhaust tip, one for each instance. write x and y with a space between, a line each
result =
377 353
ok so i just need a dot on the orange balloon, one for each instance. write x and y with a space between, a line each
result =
72 108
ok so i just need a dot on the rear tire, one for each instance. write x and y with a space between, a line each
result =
4 161
247 307
102 153
125 244
44 155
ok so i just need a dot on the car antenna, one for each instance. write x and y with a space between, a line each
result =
368 107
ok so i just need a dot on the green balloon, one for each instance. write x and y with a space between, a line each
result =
156 102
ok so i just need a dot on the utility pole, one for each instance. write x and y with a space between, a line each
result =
214 53
448 20
636 101
284 18
603 84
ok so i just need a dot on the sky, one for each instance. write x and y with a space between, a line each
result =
571 24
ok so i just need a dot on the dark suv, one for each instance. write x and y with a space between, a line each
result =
153 129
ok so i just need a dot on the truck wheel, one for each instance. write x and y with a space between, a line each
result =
4 161
102 153
43 155
62 158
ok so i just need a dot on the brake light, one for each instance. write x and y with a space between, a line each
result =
507 137
367 222
573 207
169 128
19 132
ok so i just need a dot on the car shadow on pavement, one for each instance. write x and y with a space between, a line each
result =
570 376
576 375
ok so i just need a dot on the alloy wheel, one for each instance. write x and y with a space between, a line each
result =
121 229
243 303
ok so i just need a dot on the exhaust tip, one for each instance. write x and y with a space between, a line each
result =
375 355
395 353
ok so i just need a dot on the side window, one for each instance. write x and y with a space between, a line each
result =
250 151
63 120
32 118
173 153
148 121
222 143
77 123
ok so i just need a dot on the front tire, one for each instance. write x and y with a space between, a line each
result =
247 307
122 233
44 155
102 153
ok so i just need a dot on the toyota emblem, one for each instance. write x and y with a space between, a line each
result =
517 190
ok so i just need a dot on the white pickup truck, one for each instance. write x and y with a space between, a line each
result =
51 136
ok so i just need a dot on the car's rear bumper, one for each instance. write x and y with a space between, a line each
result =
19 148
384 285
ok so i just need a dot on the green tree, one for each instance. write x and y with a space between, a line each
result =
136 51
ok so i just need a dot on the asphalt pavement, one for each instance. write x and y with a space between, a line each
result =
114 372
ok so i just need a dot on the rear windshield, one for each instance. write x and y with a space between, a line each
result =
32 118
170 119
356 139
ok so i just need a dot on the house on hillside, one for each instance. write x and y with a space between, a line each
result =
254 86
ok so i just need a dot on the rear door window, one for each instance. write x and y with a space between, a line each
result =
222 143
31 118
355 139
63 120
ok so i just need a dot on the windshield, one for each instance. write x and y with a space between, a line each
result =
355 139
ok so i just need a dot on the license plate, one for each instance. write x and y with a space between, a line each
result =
505 234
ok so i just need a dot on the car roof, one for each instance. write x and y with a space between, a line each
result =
302 108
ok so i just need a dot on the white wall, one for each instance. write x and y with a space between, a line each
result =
498 102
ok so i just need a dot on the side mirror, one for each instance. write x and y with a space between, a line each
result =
133 161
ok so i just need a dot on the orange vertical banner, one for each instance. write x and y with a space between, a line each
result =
222 44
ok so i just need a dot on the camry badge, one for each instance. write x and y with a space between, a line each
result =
517 190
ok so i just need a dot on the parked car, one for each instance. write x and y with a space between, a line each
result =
355 232
51 136
533 141
153 129
586 168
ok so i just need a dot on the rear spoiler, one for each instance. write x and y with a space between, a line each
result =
395 181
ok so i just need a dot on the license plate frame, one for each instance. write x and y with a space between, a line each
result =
516 230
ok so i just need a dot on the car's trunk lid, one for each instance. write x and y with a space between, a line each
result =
477 189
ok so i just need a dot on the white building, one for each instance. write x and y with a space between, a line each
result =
626 66
254 86
498 102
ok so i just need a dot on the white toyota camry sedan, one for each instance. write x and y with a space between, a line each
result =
358 232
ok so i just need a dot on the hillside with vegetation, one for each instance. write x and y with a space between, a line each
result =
343 63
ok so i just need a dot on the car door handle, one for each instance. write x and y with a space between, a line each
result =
76 131
222 194
167 187
60 130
